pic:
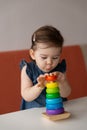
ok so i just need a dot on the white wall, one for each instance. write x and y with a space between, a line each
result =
19 18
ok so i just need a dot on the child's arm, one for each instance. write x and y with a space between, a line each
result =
65 88
28 91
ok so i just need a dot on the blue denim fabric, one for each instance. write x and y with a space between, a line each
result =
33 72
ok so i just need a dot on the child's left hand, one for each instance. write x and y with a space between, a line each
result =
61 77
64 86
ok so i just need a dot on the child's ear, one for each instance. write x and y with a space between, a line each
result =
31 52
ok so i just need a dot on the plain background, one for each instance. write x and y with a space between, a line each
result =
20 18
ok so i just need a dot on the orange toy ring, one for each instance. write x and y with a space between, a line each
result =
51 77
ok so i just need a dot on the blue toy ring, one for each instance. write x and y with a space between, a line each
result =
53 101
54 106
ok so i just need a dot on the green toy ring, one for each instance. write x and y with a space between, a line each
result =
52 95
52 90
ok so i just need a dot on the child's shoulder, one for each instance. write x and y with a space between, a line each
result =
28 64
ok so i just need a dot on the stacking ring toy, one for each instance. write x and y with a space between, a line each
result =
53 101
55 112
52 95
51 84
54 106
50 90
51 77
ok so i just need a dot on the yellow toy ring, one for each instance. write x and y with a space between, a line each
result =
52 85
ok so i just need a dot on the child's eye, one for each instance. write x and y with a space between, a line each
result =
55 58
44 57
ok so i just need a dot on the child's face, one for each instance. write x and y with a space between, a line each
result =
46 57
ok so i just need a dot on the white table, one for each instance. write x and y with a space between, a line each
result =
32 119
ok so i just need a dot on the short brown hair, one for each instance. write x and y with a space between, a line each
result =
47 34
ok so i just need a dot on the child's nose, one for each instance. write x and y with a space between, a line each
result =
49 61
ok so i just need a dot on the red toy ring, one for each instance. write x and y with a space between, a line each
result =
51 77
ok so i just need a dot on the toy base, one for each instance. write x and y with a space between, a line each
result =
57 117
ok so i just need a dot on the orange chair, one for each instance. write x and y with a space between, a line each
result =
10 97
76 70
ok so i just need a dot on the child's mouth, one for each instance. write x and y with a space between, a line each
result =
48 68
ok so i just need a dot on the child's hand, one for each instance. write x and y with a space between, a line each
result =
61 77
41 81
64 86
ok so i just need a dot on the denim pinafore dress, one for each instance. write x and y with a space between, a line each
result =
33 72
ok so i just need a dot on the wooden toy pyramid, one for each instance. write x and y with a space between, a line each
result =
54 104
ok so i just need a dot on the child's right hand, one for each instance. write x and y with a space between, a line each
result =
41 81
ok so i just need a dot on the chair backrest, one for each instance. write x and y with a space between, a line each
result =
76 70
10 97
